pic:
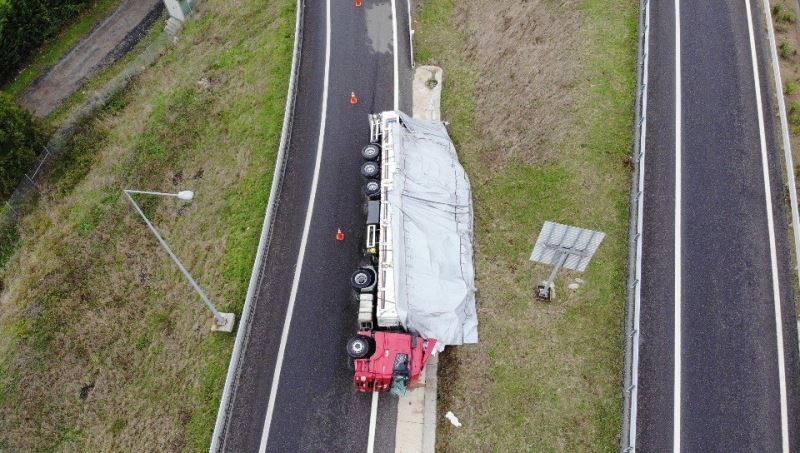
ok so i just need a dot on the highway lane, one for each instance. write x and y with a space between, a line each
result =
712 259
311 404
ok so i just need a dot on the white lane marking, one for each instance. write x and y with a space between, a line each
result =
395 52
303 242
373 413
776 292
373 416
676 391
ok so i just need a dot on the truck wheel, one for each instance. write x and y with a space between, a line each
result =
372 189
359 347
370 152
370 169
362 278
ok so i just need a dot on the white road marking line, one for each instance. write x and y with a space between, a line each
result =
373 413
776 293
676 392
373 417
395 52
299 268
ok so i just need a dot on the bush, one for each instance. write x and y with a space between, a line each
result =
21 139
26 24
791 88
782 14
786 50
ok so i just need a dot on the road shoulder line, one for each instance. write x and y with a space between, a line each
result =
771 228
243 331
304 241
676 392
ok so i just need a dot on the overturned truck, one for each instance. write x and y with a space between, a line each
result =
416 284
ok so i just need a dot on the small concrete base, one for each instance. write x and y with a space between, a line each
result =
230 321
427 87
416 410
416 414
549 295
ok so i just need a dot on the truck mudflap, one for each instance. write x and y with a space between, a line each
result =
396 363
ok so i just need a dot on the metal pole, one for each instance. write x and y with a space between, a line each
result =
145 192
217 315
554 272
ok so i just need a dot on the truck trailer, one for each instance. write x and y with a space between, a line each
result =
415 286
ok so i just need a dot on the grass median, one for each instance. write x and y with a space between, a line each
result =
540 98
103 344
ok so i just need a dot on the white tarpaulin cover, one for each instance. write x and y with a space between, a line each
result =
430 206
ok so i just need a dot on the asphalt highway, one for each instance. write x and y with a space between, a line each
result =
295 390
718 352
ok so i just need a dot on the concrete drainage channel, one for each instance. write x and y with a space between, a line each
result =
416 410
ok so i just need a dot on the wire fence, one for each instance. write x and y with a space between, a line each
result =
631 393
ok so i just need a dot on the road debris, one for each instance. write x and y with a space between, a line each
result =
453 419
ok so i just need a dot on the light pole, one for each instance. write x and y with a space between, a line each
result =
223 322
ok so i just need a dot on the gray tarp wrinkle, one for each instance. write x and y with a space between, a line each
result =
431 216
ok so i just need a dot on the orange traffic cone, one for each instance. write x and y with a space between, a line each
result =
339 234
358 3
353 98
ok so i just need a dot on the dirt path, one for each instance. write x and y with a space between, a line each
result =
109 40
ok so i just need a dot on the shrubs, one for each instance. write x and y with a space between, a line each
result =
786 50
783 14
21 138
26 24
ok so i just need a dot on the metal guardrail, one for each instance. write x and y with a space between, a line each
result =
631 385
787 144
243 332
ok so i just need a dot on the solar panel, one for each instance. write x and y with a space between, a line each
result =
555 239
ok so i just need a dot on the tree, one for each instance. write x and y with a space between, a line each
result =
26 24
21 139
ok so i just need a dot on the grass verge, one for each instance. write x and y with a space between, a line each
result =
103 345
540 98
55 48
787 31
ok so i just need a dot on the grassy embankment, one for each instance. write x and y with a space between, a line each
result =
540 96
55 48
103 345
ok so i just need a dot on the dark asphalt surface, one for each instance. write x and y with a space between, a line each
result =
317 407
730 397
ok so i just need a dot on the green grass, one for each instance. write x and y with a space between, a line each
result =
786 50
545 376
89 297
57 47
782 14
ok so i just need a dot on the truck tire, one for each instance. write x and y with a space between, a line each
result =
362 278
360 347
370 169
372 189
370 152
